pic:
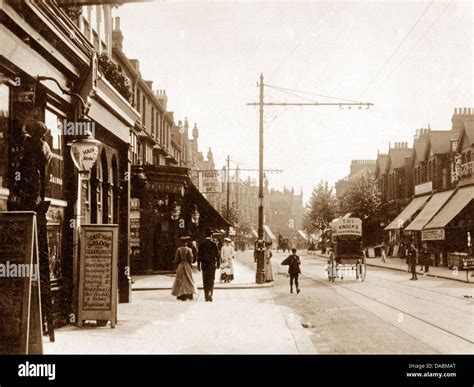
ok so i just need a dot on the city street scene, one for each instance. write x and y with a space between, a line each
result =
236 178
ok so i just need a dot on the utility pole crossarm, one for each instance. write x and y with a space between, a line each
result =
312 104
259 247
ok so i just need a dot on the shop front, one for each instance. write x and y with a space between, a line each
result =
396 227
24 101
170 207
437 201
450 230
41 83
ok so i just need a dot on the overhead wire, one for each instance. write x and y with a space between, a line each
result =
398 47
310 93
421 38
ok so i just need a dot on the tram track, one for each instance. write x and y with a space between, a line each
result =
400 310
377 268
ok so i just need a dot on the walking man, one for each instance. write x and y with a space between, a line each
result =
293 262
208 261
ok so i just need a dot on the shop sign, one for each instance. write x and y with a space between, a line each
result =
423 188
20 304
25 94
433 235
210 181
98 273
167 187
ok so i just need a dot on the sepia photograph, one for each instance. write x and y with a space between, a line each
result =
237 178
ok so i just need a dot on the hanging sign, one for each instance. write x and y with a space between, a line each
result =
210 181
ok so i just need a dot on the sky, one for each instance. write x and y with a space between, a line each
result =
412 60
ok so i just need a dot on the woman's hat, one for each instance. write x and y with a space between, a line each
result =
228 239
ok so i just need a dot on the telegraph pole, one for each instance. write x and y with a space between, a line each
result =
260 165
260 275
228 186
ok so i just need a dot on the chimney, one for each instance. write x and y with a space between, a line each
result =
149 84
117 36
136 64
457 119
161 96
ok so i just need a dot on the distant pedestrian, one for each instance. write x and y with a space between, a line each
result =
227 265
268 264
425 257
384 253
412 261
184 286
208 262
293 262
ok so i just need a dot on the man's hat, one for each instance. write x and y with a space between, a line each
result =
185 237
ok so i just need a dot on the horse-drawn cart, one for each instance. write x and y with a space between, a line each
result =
347 258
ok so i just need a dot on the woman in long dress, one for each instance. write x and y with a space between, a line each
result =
227 266
184 286
268 264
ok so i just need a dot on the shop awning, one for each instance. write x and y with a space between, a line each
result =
453 207
269 232
436 202
407 213
303 235
211 216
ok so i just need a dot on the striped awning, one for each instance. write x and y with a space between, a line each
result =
405 216
269 232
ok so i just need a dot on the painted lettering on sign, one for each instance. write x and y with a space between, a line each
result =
433 235
98 270
349 226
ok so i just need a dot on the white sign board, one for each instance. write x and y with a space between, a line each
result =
349 226
433 235
423 188
210 181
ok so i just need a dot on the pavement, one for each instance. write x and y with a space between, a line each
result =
399 264
243 319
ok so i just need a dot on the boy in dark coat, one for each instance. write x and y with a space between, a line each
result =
208 261
293 262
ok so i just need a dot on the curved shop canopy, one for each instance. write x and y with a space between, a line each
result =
437 201
455 205
407 213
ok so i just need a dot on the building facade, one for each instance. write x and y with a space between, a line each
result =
63 46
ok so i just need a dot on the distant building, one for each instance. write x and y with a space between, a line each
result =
285 211
358 167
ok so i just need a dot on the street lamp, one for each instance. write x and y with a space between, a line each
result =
84 154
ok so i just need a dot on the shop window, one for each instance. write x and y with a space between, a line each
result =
134 148
144 111
152 126
4 120
55 169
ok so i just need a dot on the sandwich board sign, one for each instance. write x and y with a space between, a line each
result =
98 273
21 330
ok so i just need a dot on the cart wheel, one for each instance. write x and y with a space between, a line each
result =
362 271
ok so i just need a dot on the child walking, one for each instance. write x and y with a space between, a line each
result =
293 262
